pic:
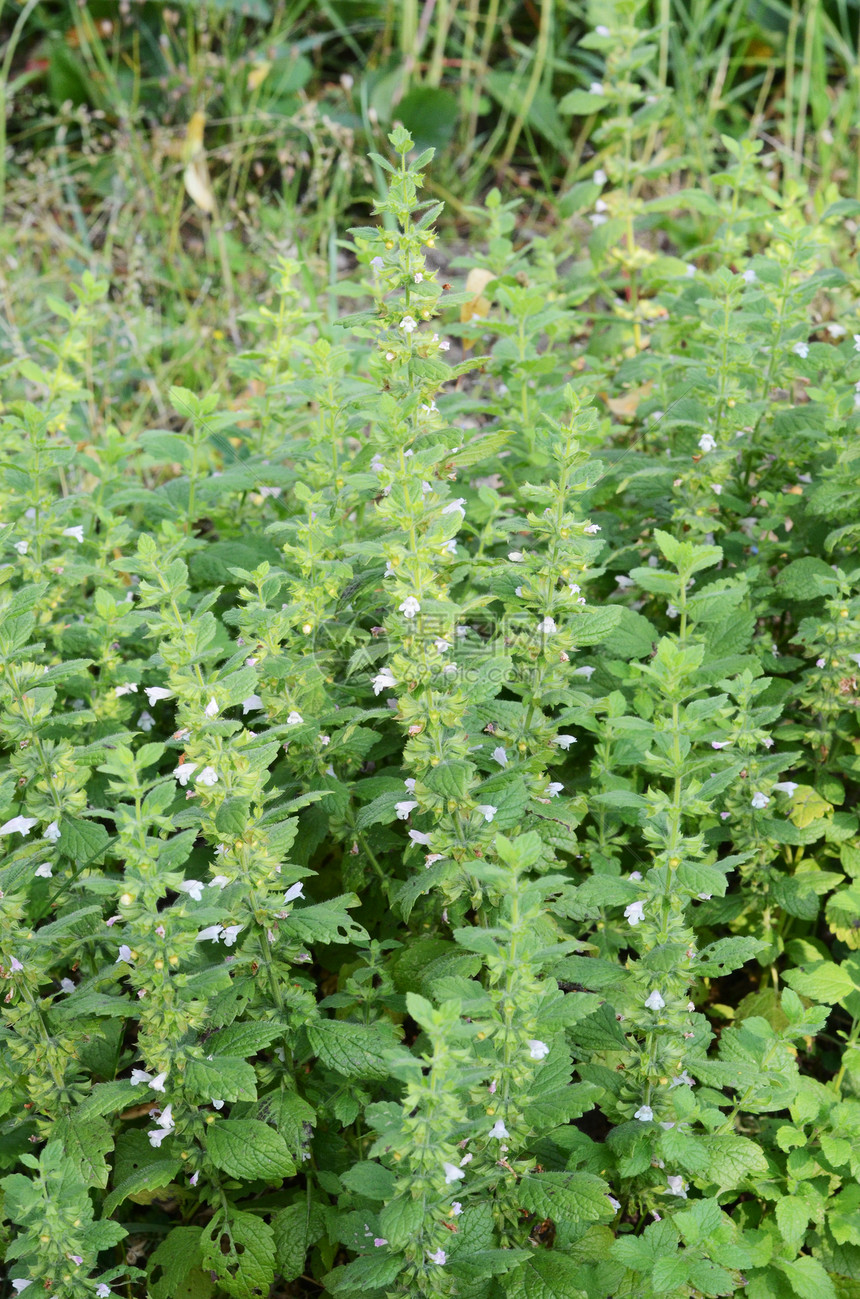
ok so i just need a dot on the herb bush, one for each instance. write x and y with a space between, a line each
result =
428 806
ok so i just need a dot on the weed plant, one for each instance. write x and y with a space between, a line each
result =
431 758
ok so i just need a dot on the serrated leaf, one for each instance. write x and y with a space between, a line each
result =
227 1078
240 1249
295 1229
153 1177
353 1050
249 1149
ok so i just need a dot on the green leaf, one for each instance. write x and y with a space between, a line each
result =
370 1180
226 1078
353 1050
82 841
249 1149
86 1142
240 1249
174 1268
569 1198
152 1177
826 982
546 1275
295 1229
806 1277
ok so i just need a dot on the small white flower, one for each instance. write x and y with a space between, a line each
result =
467 1159
418 277
634 912
487 811
77 532
192 1181
157 1135
565 741
44 871
128 689
124 955
252 704
624 582
717 488
377 263
636 875
410 784
456 506
140 1076
591 528
439 1257
184 772
856 349
599 177
707 442
682 1079
157 1083
20 1284
554 788
452 1173
377 464
499 1131
759 800
218 1104
407 324
801 350
218 882
194 888
644 1114
22 547
500 756
537 1050
516 556
67 985
403 809
52 832
677 1186
784 787
601 30
103 1291
654 1001
208 776
294 719
384 680
456 1209
409 607
211 709
146 721
596 88
418 836
547 626
750 277
587 671
229 933
450 547
293 892
720 744
209 935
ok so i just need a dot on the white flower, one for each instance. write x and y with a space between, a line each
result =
452 1173
208 776
634 912
599 177
211 709
500 756
624 582
44 871
157 1135
554 788
636 875
456 1209
211 934
677 1186
749 277
596 88
124 955
759 800
184 772
801 350
856 349
146 721
252 704
682 1079
383 680
103 1291
537 1050
77 532
456 505
377 263
218 882
229 933
587 671
547 626
409 607
516 556
15 964
294 719
403 809
565 741
165 1118
644 1114
219 1105
140 1076
499 1131
157 1083
192 1181
591 528
407 324
784 787
67 985
128 689
194 888
487 811
20 1284
720 744
654 1001
23 546
418 836
438 1257
442 645
293 892
450 547
467 1159
707 442
717 488
410 784
601 30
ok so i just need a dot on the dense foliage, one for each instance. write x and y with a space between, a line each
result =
431 760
